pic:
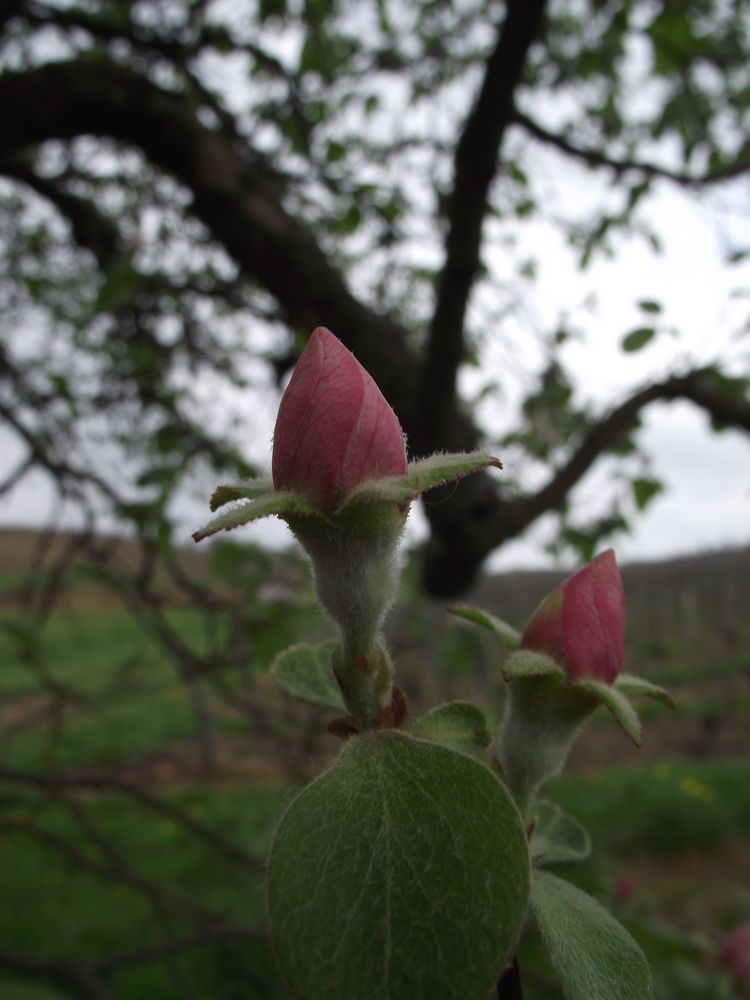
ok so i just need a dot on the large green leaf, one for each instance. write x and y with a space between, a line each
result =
401 872
593 954
306 672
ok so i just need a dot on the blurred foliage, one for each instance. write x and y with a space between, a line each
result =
137 311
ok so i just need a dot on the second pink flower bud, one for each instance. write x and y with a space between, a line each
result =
581 624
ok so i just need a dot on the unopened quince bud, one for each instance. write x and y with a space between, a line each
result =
581 624
334 429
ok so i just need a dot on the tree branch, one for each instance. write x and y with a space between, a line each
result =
595 157
698 386
234 195
475 165
90 228
235 854
77 979
481 520
237 198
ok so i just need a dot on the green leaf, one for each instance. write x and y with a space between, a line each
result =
265 505
592 953
350 221
249 490
307 672
557 837
426 474
121 282
629 684
457 724
637 338
616 701
644 491
401 872
508 635
650 306
527 663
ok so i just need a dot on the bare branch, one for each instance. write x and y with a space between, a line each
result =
77 979
43 782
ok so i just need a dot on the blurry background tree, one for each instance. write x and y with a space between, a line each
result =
191 187
187 189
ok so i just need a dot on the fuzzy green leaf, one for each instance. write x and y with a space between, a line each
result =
401 872
557 837
527 663
437 470
265 505
592 953
307 672
249 490
629 684
509 636
618 704
457 724
423 475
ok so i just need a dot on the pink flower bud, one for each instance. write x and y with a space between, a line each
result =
334 429
581 624
735 954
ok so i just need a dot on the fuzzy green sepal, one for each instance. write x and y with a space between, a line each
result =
507 634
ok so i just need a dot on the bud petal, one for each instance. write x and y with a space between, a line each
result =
334 429
581 624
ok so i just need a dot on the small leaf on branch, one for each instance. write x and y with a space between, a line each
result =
527 663
644 491
629 684
307 672
249 490
265 505
616 701
423 475
592 953
509 636
638 338
457 724
557 837
650 306
437 470
401 872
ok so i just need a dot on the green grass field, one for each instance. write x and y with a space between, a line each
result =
672 826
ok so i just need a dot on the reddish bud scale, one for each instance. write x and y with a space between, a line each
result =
334 429
581 624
